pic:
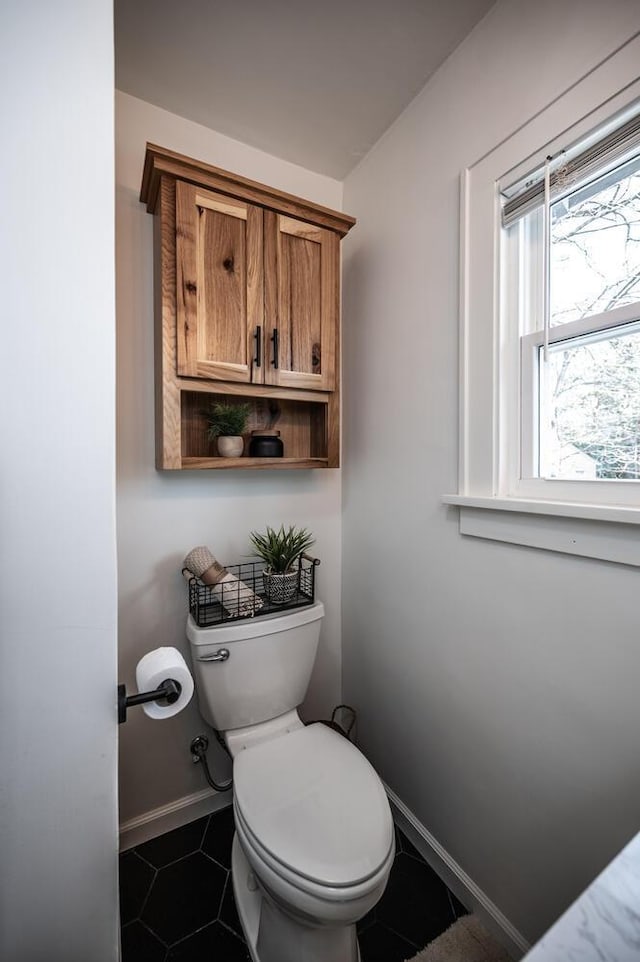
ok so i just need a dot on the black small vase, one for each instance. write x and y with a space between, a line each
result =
267 445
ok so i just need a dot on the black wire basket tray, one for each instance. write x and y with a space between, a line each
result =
250 594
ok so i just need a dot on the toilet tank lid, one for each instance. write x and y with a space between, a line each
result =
314 802
228 632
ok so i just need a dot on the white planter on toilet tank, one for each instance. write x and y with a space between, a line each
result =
314 836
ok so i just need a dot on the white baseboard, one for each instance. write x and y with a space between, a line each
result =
456 879
174 815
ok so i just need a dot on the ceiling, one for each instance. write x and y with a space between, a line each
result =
315 83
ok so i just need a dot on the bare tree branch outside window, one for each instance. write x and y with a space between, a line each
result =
594 414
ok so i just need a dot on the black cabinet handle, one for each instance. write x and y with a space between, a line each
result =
275 342
258 336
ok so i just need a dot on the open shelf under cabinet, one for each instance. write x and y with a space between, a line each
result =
303 427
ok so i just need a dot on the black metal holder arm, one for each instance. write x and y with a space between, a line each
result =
168 691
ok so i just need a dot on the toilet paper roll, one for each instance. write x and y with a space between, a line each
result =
154 668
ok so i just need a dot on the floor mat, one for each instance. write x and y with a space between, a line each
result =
466 940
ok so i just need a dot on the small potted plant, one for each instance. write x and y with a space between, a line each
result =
281 550
227 422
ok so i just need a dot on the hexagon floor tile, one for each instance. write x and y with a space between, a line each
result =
176 900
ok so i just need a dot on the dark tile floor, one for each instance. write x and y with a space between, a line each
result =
176 900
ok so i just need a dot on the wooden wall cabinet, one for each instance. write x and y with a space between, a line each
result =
247 304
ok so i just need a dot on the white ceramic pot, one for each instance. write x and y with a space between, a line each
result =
230 446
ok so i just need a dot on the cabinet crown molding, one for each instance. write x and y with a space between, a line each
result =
159 161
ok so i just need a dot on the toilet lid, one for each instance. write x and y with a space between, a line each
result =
314 802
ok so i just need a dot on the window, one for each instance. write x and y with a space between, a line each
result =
550 325
579 379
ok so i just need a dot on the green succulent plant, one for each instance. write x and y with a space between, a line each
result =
227 420
281 549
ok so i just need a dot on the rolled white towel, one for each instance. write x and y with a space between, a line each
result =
234 595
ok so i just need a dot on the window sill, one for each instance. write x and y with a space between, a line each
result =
586 530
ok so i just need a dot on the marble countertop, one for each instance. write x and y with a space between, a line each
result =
603 924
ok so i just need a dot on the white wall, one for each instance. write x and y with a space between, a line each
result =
161 515
496 685
58 804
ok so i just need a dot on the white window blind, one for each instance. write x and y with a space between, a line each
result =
571 167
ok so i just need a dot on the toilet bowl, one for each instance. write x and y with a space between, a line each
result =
314 838
317 831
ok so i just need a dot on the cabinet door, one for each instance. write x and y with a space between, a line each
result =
219 274
301 304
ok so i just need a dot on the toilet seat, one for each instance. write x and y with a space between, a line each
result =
313 809
293 888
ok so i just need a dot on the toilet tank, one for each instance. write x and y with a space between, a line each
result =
267 670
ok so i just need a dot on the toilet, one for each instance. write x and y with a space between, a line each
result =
314 840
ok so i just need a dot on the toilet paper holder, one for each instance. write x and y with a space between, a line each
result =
169 690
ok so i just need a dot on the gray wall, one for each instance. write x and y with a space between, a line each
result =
58 805
496 685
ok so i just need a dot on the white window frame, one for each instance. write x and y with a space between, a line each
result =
590 518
